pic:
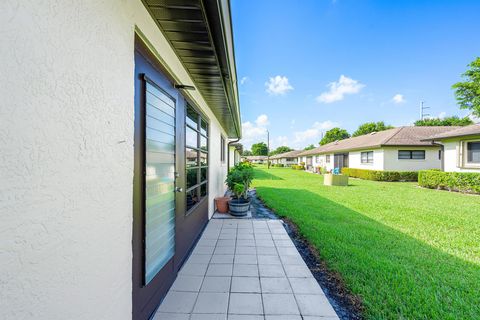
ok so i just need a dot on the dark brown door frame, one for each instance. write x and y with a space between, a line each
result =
188 228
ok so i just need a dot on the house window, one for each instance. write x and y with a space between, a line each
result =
473 152
367 157
411 154
318 159
222 149
196 141
327 158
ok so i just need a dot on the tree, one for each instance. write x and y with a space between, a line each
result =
281 149
448 121
246 153
334 135
467 92
259 149
370 127
309 147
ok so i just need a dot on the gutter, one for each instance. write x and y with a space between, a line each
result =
228 152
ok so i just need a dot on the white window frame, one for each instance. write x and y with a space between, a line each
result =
368 159
464 155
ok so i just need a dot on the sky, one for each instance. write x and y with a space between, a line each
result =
305 66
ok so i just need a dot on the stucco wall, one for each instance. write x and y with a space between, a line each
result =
355 161
393 163
451 154
66 129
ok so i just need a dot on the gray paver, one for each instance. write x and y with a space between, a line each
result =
245 303
245 270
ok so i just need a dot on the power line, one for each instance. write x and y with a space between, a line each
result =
422 110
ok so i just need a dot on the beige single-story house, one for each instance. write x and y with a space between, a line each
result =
398 149
116 118
287 158
461 148
255 159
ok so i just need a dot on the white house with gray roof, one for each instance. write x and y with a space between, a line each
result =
398 149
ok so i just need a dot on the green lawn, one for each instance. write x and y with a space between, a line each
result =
409 253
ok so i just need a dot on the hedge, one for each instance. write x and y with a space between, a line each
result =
468 182
298 167
280 165
377 175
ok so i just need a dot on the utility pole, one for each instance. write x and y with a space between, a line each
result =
268 149
422 110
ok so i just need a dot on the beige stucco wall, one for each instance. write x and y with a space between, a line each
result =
451 158
393 163
66 126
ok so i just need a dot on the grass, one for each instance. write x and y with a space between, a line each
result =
407 252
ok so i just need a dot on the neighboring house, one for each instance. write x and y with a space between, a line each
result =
461 148
113 117
287 158
255 159
235 151
398 149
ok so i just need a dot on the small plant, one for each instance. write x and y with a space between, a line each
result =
241 174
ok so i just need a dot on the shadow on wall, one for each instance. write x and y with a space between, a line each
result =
390 270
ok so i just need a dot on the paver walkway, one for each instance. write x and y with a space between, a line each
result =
245 270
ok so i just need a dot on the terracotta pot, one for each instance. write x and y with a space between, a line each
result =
222 204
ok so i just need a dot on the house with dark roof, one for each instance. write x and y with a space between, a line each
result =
255 159
287 158
461 148
398 149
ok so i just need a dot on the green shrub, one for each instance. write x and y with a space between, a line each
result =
468 182
298 167
377 175
280 165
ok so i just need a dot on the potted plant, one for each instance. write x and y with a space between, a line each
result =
238 181
222 204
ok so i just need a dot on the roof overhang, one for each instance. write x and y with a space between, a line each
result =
200 32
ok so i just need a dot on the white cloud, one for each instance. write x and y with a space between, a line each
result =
398 98
279 141
244 80
278 85
254 132
474 118
442 114
313 134
262 120
339 89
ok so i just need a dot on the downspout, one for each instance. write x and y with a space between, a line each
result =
228 152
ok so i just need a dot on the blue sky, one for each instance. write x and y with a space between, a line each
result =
305 66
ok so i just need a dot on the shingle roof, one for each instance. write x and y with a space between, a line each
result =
471 130
401 136
289 154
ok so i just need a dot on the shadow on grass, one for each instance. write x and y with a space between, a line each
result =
266 175
395 275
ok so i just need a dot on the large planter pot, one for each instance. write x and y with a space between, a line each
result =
239 207
222 204
335 180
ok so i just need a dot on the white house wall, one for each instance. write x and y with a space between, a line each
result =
354 160
451 155
67 127
431 160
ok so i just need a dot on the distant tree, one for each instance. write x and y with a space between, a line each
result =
370 127
281 149
247 153
468 91
309 147
259 149
334 135
448 121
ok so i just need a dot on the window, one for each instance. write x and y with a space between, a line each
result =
327 158
222 151
196 157
473 152
366 157
411 154
318 159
